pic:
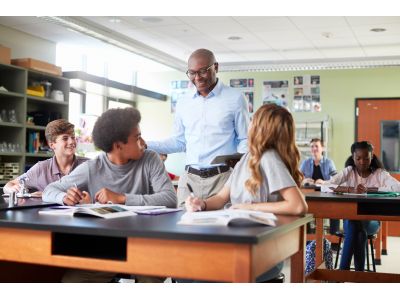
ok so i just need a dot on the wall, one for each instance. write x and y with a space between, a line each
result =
25 45
339 88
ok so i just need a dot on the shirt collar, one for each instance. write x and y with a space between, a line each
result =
54 166
215 91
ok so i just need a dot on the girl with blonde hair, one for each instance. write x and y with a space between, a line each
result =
267 178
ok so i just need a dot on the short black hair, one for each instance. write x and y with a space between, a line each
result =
115 125
375 162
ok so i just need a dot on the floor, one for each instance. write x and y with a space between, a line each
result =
390 262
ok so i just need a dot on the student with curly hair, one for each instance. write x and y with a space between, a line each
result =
267 178
125 173
363 173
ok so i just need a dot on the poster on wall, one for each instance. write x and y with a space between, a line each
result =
306 93
246 86
276 92
179 88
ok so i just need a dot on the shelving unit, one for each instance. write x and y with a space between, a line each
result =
16 80
305 131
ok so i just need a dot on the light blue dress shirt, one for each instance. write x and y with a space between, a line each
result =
327 167
206 127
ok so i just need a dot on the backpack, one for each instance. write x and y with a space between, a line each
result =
310 255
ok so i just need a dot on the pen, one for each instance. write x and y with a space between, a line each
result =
190 190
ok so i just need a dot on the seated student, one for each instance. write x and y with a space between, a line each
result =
60 137
266 178
364 172
125 173
171 176
316 170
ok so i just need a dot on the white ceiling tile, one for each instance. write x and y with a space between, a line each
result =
342 52
365 30
176 30
334 32
265 24
262 56
318 22
204 20
354 21
164 21
247 46
228 57
279 35
332 43
227 28
379 40
287 44
382 50
302 54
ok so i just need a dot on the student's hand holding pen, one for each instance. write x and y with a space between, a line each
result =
193 203
361 189
74 196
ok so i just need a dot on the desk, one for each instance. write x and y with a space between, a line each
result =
152 245
327 205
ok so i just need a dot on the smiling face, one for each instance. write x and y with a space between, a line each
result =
64 145
134 147
205 83
362 160
316 149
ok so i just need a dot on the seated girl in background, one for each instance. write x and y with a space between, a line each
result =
267 178
363 173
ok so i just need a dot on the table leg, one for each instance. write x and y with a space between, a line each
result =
378 247
385 228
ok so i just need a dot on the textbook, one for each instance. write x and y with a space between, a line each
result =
102 211
227 217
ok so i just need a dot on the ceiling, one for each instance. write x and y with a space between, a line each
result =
239 43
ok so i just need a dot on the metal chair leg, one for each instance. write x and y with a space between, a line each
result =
366 248
371 243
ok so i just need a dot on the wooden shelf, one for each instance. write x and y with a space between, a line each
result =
46 100
35 127
11 154
11 94
38 154
9 124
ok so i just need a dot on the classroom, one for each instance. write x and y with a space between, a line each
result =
113 117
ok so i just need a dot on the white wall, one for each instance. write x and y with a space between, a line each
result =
25 45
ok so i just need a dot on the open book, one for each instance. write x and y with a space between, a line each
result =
228 216
107 211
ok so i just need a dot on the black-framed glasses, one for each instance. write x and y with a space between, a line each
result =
202 72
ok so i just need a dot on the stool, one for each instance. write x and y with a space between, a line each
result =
278 279
371 239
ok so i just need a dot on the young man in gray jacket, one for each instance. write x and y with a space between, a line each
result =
126 173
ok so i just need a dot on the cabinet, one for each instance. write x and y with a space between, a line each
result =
306 131
15 108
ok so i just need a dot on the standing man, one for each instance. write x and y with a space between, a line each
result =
211 122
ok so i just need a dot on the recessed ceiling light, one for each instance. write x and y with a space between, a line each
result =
327 35
115 20
378 29
234 38
151 19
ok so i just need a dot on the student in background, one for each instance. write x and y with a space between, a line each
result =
209 122
125 173
171 176
363 173
267 178
318 169
60 137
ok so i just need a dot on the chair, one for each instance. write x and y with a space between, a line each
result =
371 239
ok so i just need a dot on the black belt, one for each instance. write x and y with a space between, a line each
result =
208 172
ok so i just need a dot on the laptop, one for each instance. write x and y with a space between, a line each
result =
22 203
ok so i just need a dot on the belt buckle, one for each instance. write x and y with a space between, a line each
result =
204 173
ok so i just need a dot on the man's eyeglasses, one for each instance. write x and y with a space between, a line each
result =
202 72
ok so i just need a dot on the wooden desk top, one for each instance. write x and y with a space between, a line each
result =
162 226
319 196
